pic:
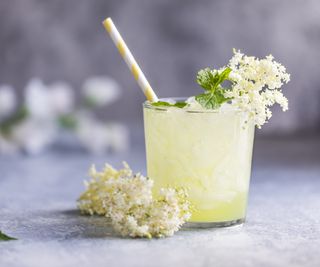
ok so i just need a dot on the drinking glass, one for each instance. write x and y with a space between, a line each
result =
208 152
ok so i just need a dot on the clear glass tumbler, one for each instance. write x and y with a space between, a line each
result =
207 152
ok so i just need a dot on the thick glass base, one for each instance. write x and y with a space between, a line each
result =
213 224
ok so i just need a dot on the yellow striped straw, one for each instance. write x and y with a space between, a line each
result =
129 59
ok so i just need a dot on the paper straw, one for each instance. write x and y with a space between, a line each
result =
129 59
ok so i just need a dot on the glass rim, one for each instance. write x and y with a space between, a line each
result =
147 104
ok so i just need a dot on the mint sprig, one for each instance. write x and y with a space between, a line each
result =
210 81
4 237
167 104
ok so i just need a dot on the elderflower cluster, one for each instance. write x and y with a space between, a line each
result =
257 85
126 199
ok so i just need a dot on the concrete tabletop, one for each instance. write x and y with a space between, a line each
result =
37 206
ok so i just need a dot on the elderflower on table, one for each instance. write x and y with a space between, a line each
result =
126 199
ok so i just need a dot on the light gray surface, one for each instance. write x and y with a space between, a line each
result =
37 205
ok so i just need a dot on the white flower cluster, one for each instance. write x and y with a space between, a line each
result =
97 136
101 90
126 199
257 84
31 126
36 123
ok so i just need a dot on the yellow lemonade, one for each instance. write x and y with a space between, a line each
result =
208 152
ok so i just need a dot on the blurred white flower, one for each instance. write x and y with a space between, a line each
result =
61 98
98 137
33 135
7 100
93 135
37 100
119 137
47 102
100 90
48 107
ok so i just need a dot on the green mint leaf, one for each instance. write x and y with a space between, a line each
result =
4 237
207 100
206 78
220 95
167 104
224 75
211 80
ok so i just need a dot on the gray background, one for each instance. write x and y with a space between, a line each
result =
64 40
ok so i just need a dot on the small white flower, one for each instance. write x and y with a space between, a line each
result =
92 134
61 98
7 100
33 135
37 100
48 101
98 137
101 91
234 76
